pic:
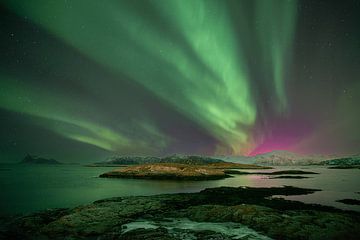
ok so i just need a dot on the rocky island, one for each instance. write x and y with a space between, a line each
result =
350 201
222 213
193 170
168 171
284 172
31 159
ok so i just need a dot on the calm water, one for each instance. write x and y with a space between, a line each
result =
26 189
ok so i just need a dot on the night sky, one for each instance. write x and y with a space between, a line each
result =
82 80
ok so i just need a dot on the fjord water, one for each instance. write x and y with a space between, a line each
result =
29 188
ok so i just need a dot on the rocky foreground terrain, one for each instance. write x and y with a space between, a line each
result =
217 213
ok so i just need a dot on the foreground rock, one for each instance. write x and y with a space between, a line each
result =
217 213
167 171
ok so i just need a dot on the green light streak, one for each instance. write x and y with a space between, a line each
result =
58 114
276 25
201 70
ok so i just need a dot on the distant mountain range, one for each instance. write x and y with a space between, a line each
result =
286 158
274 158
134 160
30 159
347 161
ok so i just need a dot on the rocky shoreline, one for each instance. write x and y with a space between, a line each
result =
216 213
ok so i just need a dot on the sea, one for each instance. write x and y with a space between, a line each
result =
30 188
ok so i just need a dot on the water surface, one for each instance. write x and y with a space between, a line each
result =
29 188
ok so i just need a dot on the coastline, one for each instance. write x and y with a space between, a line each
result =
243 206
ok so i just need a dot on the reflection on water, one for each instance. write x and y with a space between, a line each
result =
31 188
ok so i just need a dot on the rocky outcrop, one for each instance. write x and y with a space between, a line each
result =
176 171
285 172
167 171
217 213
277 224
288 177
350 201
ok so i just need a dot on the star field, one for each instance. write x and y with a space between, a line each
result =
81 80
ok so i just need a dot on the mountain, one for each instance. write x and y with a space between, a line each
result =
346 161
30 159
237 159
276 158
286 158
135 160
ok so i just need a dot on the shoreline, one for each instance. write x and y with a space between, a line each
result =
245 206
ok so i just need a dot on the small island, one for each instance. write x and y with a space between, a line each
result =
350 201
168 171
121 161
288 177
284 172
31 159
184 169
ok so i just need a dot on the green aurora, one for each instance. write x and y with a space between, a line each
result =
205 60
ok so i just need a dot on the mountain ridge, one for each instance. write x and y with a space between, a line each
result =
287 158
136 160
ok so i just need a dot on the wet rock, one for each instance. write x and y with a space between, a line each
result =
211 235
148 234
276 224
350 201
288 177
252 207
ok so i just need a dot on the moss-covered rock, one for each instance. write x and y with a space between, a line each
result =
231 207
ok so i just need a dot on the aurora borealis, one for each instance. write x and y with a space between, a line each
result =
83 79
